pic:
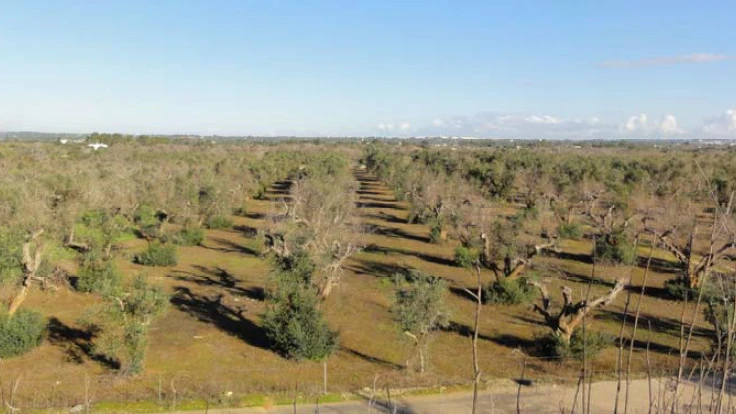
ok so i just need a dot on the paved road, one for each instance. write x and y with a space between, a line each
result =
542 399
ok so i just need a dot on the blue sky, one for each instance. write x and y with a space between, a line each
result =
539 69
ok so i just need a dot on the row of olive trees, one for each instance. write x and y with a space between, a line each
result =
309 243
608 205
65 209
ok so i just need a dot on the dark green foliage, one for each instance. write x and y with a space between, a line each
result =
572 231
435 232
190 236
21 332
554 345
218 222
466 256
158 254
147 223
678 288
11 256
615 248
98 274
293 322
509 292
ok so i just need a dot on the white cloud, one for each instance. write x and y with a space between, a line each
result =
641 126
391 128
545 119
525 125
671 60
724 124
668 126
636 123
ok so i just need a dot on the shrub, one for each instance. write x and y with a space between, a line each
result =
555 346
125 323
572 231
679 288
21 332
465 257
508 292
11 256
295 325
158 254
435 232
218 222
98 275
190 236
615 248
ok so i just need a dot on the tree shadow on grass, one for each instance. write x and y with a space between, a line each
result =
462 292
575 257
371 359
255 216
382 215
372 248
586 279
464 331
377 269
376 204
658 265
652 291
77 343
213 311
231 246
222 279
394 232
363 192
659 324
248 231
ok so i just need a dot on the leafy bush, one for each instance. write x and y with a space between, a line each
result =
572 231
125 321
419 302
21 332
98 275
11 257
435 232
295 325
218 222
465 257
554 345
509 292
679 288
615 247
158 254
190 236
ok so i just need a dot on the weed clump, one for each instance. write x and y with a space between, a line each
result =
590 344
20 332
506 291
158 254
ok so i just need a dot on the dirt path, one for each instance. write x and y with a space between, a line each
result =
502 399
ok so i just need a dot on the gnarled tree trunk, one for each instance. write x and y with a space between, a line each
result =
31 263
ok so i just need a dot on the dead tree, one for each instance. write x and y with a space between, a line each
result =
31 262
694 268
514 265
564 322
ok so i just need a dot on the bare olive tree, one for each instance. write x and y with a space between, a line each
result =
570 315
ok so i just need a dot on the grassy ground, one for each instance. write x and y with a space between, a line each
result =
210 343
